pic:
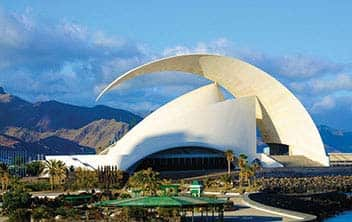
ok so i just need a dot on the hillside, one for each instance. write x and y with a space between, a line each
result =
57 128
336 140
50 145
95 135
53 115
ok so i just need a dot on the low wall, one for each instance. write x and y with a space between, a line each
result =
297 216
305 171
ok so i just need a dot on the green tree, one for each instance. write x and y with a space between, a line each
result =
34 168
110 176
229 157
18 161
242 164
86 179
147 181
16 202
4 177
255 166
56 169
248 173
40 213
226 179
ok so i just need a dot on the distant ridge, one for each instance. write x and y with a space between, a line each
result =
56 128
336 140
2 91
54 115
53 127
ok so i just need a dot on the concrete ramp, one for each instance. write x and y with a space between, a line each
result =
295 161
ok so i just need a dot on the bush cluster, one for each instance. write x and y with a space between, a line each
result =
306 184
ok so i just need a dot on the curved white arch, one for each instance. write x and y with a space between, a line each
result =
198 118
280 115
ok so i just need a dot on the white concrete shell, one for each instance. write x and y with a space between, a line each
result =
280 115
199 118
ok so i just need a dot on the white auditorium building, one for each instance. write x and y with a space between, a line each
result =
193 130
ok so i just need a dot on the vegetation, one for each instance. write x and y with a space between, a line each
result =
147 181
242 164
229 157
34 168
56 170
19 205
246 175
306 184
16 203
321 205
85 179
110 176
37 186
4 177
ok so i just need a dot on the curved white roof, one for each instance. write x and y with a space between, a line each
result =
280 115
203 118
199 118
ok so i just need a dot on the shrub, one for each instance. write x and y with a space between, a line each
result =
125 195
41 213
170 213
38 186
16 199
67 212
19 215
34 168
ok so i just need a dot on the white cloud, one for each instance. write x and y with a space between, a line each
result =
325 85
288 66
61 60
71 63
326 103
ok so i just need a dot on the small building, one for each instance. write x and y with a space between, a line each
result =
208 207
196 188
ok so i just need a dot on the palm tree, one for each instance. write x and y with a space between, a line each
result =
248 173
86 179
256 165
242 163
229 157
147 181
4 177
56 169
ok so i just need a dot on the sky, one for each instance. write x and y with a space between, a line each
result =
69 50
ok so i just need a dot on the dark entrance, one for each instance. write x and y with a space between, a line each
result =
278 149
184 158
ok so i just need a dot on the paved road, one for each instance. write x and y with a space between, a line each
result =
241 212
245 213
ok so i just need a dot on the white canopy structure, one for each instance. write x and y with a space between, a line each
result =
203 118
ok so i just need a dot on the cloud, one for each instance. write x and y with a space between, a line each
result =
326 103
334 111
330 84
61 60
68 62
322 85
287 66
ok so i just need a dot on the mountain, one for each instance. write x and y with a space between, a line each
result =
95 135
58 128
53 115
336 140
50 145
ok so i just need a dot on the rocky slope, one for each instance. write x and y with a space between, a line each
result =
53 115
57 128
336 140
